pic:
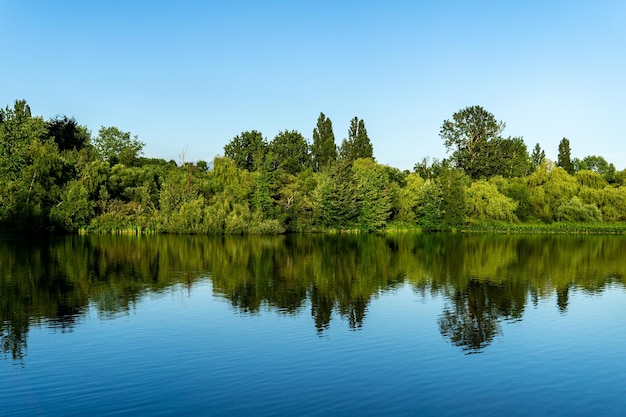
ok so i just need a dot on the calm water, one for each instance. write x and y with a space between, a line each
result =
313 325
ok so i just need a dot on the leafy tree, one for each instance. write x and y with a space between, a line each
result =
518 191
247 150
373 199
485 202
575 211
468 134
442 202
409 198
289 152
550 186
430 210
596 164
334 197
536 157
67 133
591 179
453 183
323 148
18 129
116 146
564 159
506 157
358 144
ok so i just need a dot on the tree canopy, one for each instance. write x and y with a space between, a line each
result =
55 177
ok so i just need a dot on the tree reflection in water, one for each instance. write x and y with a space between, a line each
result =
485 279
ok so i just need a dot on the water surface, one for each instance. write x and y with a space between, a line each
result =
313 325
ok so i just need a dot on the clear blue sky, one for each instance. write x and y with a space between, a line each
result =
191 75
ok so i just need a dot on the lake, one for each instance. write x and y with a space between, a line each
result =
313 325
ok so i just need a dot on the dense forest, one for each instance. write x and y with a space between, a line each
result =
56 176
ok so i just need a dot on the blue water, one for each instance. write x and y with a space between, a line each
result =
188 351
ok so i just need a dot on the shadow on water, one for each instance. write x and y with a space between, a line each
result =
484 279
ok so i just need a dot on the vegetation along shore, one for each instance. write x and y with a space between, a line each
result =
56 176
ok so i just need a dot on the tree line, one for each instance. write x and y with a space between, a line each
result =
55 175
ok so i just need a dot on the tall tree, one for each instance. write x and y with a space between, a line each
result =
468 134
536 157
247 150
564 159
358 144
323 149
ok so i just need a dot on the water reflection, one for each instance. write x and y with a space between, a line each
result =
485 279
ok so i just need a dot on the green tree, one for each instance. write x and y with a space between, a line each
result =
358 144
334 197
323 148
536 157
67 133
289 152
596 164
373 198
18 129
550 186
506 157
247 150
468 134
564 159
485 202
116 146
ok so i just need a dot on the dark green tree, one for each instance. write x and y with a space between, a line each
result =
506 157
536 157
358 144
247 150
564 159
289 152
67 133
323 148
468 134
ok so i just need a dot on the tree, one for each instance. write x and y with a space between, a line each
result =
116 146
289 152
485 202
18 129
373 199
247 150
564 159
358 144
506 157
67 133
596 164
468 134
323 149
536 157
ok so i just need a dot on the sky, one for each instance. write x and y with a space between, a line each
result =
186 77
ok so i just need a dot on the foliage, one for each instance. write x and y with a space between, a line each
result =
358 144
564 159
485 202
116 146
323 148
372 195
54 177
288 152
468 134
247 150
